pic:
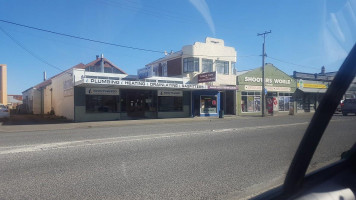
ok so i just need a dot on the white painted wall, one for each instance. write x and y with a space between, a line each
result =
213 49
36 95
47 99
63 100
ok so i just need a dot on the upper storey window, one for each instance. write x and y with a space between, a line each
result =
222 67
190 64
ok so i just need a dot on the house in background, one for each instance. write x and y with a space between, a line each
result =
14 100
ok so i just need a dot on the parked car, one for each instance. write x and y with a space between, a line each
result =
4 111
348 106
338 109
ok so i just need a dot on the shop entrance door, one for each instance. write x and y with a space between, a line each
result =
135 105
230 102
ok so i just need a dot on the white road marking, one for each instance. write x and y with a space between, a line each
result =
81 143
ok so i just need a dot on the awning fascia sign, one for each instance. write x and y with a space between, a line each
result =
269 88
312 90
111 82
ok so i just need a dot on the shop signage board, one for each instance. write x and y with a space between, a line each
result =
311 85
101 91
275 79
142 84
222 87
207 77
170 93
267 80
303 75
268 88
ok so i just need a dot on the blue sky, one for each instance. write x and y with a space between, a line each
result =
305 34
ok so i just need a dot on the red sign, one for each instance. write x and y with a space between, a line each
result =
207 77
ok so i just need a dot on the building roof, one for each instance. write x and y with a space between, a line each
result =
12 99
239 73
47 82
16 96
107 63
167 57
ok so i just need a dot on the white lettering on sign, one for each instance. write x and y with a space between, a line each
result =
267 80
143 83
101 91
281 81
170 93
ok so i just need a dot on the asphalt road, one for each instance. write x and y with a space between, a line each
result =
212 159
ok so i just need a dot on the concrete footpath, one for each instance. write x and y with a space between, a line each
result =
22 123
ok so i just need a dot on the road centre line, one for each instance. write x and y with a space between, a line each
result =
113 140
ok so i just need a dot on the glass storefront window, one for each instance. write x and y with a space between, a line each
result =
208 104
251 102
170 104
102 103
283 101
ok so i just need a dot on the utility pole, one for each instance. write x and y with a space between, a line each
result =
263 70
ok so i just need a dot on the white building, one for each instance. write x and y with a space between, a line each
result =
197 81
208 63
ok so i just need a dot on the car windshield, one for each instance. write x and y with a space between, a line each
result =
180 99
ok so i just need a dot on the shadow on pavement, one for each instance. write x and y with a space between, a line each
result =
27 119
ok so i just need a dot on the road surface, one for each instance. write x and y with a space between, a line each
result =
211 159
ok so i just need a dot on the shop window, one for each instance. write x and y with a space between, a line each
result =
150 102
251 102
170 104
222 67
207 65
283 101
208 104
190 65
102 103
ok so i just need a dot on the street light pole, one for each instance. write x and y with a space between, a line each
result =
263 70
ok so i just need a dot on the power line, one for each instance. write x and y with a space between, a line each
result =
80 38
29 51
304 66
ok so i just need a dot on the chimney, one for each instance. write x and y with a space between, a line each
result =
44 76
97 57
102 63
322 70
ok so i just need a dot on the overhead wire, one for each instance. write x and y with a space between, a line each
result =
112 44
29 51
81 38
291 63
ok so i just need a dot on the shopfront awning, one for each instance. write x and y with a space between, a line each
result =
313 90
